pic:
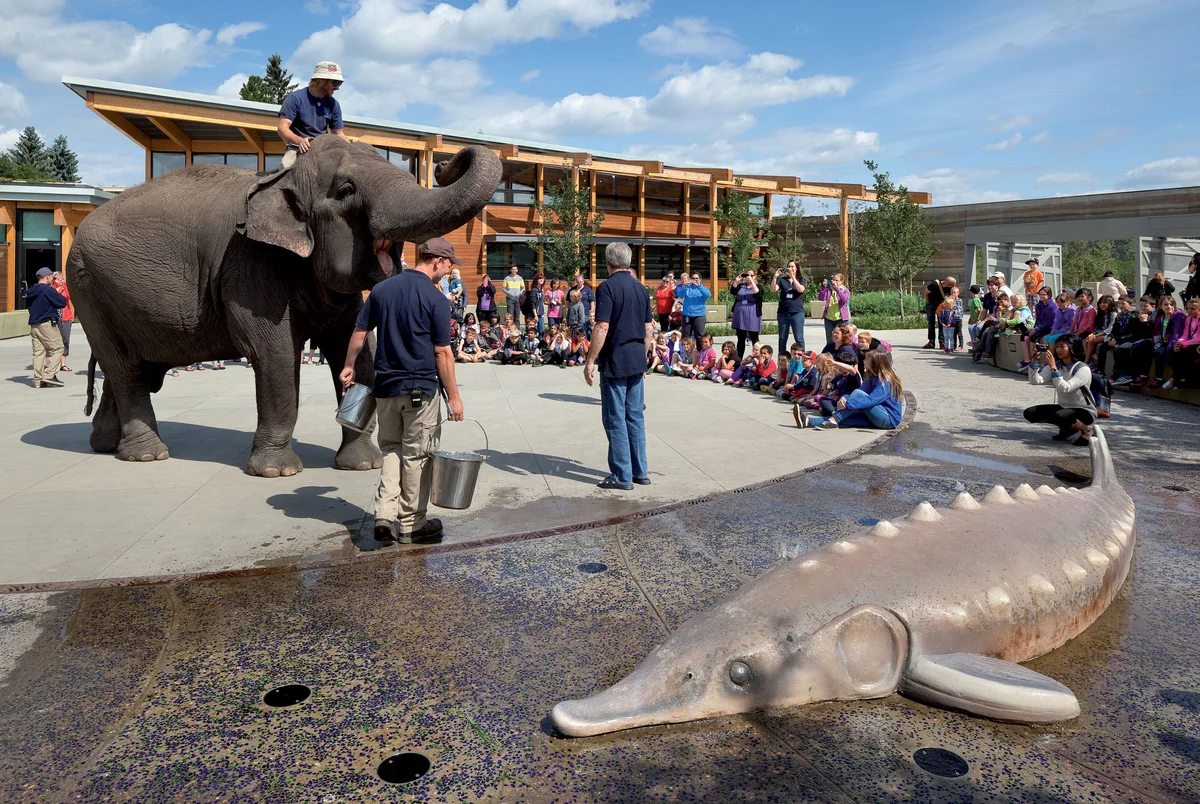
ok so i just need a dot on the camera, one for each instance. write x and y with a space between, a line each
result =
1043 347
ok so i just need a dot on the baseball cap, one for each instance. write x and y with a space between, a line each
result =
328 69
999 275
1032 261
42 273
439 247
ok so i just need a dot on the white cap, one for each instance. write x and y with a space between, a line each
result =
999 275
329 70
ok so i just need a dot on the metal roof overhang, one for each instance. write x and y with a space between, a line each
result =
54 193
603 241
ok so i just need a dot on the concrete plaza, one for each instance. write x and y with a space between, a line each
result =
155 693
72 515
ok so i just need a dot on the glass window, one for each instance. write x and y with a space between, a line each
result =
247 161
664 196
700 263
661 260
208 159
3 232
501 257
38 227
616 192
516 185
405 160
162 163
698 199
551 176
758 205
272 162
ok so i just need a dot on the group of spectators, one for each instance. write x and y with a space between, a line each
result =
1083 343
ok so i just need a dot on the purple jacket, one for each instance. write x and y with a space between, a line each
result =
1045 314
1063 320
843 295
1172 332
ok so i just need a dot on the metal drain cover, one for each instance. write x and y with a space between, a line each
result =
403 768
592 567
287 695
941 762
868 521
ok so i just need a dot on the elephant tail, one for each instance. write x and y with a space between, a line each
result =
91 392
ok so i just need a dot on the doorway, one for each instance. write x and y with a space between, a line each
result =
31 257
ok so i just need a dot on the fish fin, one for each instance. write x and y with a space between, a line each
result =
1103 473
991 688
864 651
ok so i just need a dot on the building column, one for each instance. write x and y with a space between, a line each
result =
844 234
8 216
713 257
968 264
68 239
641 266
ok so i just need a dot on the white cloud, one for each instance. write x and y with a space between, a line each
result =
998 123
950 186
231 87
45 46
316 7
1041 136
531 75
690 35
231 33
1063 178
1175 172
786 152
1005 145
712 96
12 104
9 138
109 169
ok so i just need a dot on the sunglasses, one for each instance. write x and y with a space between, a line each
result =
336 84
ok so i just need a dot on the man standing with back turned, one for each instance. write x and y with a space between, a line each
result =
622 340
412 361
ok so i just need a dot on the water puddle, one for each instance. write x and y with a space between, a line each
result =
964 459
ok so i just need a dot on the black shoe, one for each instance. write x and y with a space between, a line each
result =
1064 435
431 531
53 382
642 481
611 482
383 531
1082 442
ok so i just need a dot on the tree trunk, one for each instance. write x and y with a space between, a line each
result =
900 296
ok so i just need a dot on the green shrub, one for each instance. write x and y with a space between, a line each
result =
716 330
886 303
875 321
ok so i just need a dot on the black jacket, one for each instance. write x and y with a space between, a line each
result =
1127 328
1156 289
1192 291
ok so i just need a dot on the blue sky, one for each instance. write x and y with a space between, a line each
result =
972 101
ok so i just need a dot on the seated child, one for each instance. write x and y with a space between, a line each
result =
471 351
743 373
765 369
877 403
658 359
706 358
685 361
1045 313
560 348
1132 342
726 364
579 348
1185 354
791 373
845 381
823 363
512 354
1106 316
531 345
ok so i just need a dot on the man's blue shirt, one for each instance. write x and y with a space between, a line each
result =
310 115
410 317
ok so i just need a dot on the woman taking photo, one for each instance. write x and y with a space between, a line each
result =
664 300
790 286
1159 286
485 300
747 310
694 296
1074 410
837 305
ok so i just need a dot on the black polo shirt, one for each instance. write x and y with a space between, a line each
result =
411 317
622 303
937 294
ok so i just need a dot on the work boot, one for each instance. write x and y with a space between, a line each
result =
53 382
431 531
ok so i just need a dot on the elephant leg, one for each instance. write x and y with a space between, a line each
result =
139 429
358 450
106 424
277 392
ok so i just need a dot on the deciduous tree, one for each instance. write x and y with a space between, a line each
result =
566 230
743 229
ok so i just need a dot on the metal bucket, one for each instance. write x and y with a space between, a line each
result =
357 408
454 475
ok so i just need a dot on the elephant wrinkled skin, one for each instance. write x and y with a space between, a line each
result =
214 262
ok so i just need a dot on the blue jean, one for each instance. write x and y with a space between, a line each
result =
874 416
795 323
622 400
830 326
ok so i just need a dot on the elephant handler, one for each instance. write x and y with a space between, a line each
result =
44 303
311 111
413 361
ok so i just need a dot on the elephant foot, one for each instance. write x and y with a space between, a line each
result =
105 441
144 448
359 455
274 463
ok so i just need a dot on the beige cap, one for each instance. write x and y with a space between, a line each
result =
329 70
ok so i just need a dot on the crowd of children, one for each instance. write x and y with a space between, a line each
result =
558 344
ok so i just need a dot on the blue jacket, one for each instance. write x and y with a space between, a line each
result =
876 392
43 303
694 297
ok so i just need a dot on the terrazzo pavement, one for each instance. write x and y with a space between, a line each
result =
154 693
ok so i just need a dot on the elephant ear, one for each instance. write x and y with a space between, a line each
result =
275 215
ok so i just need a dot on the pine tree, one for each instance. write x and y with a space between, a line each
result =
274 88
64 164
30 151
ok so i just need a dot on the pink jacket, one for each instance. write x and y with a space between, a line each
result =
1190 334
1085 320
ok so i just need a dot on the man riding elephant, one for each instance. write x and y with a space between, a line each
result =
252 265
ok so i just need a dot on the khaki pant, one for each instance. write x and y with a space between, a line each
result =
47 350
407 436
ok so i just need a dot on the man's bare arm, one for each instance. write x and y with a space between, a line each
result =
444 358
599 336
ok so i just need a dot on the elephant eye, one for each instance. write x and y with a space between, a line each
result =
345 191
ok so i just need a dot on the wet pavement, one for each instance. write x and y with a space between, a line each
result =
154 693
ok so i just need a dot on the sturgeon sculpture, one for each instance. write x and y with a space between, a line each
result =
940 606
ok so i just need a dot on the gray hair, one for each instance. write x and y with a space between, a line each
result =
617 256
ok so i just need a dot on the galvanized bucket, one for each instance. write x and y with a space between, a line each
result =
357 408
454 475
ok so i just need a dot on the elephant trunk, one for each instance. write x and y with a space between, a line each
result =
405 211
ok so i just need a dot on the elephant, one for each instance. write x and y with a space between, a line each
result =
213 262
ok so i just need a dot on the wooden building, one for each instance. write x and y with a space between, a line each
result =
662 211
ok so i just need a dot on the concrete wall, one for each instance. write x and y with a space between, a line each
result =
14 324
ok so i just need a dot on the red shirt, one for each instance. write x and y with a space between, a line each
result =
61 287
664 299
765 370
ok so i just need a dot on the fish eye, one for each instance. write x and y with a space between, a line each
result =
687 677
739 673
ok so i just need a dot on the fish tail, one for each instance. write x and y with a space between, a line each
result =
1103 473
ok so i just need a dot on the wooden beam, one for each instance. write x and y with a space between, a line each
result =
508 151
782 182
384 141
712 236
618 168
8 214
543 159
174 134
253 137
844 221
580 159
850 190
433 140
682 175
65 242
710 174
121 123
751 184
647 166
264 121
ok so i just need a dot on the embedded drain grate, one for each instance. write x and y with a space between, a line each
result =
287 695
941 762
403 768
592 567
1176 488
868 521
